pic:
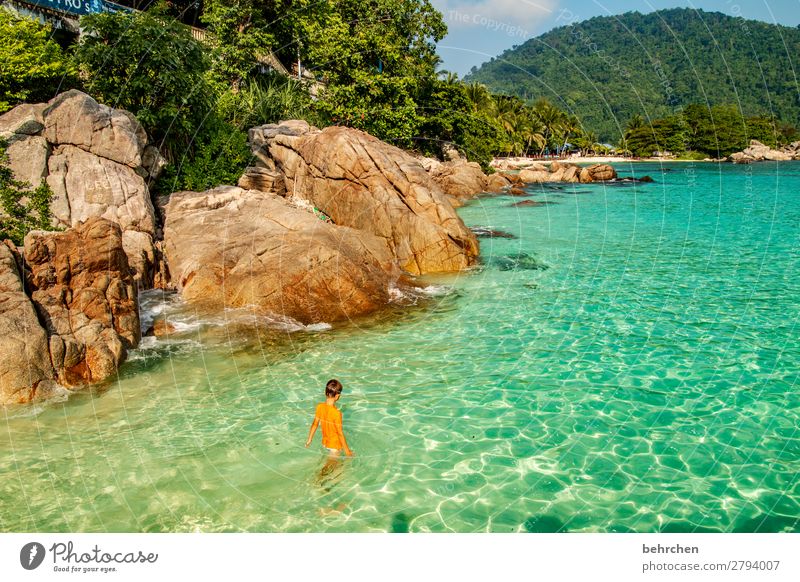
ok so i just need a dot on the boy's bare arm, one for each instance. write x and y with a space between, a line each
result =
340 430
312 430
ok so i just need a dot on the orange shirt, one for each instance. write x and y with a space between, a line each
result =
330 419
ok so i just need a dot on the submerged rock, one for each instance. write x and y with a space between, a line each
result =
160 328
519 262
532 203
83 290
255 250
361 182
481 231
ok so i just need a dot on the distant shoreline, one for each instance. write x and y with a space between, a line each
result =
520 162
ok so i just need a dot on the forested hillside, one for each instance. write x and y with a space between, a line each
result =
608 69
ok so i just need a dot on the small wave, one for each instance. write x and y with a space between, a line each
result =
58 395
411 295
286 323
436 290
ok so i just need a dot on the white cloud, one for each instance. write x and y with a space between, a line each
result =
511 17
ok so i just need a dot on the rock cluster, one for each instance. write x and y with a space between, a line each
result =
70 318
328 225
97 162
566 172
758 152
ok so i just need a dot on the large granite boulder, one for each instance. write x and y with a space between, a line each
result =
235 248
26 373
564 172
534 176
758 152
793 150
85 185
460 179
364 183
598 173
97 161
76 119
83 290
497 182
263 180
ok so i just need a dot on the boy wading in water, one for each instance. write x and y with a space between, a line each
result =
330 418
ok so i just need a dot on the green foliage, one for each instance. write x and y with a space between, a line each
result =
239 33
217 155
24 209
611 68
32 66
700 131
268 99
382 107
150 65
377 59
447 116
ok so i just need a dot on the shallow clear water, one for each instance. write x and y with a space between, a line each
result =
628 363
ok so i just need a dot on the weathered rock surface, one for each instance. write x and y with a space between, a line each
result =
76 119
95 159
362 182
263 180
598 173
534 176
85 185
567 172
26 373
83 290
25 119
459 179
497 183
234 248
27 157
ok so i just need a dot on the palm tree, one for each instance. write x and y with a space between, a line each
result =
532 131
551 117
449 77
571 125
480 97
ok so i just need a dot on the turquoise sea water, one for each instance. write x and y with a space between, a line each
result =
629 362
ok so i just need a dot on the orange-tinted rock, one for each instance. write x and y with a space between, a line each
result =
26 373
82 287
255 250
364 183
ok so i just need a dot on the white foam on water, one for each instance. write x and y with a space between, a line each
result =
436 290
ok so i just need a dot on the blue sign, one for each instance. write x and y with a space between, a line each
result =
77 7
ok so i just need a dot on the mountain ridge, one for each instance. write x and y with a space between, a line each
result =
608 68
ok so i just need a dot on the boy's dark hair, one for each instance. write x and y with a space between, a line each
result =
333 388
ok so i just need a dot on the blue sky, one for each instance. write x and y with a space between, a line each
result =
481 29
